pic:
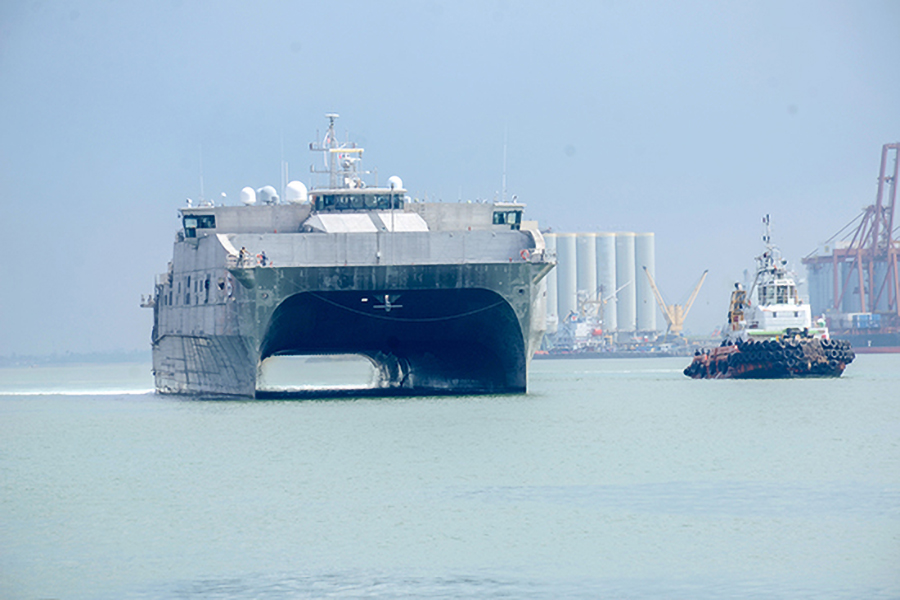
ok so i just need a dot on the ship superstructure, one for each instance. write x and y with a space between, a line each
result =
778 307
440 297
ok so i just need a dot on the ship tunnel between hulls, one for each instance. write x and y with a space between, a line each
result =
450 341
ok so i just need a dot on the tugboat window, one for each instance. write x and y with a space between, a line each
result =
782 294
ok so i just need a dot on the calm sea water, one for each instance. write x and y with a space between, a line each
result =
610 479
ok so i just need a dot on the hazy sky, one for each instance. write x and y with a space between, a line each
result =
688 119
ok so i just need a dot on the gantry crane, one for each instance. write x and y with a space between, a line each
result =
675 314
869 264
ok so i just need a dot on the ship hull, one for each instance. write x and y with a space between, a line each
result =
872 342
427 329
210 365
439 298
773 359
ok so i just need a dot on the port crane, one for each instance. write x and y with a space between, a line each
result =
675 314
600 302
868 265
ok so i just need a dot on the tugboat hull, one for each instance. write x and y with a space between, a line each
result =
773 359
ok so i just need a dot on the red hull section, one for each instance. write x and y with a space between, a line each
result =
773 359
878 350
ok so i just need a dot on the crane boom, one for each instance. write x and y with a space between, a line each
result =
667 310
675 314
690 302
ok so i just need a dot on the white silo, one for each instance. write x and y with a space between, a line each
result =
551 279
586 250
645 256
625 283
566 275
606 278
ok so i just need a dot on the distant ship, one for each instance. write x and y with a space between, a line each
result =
442 298
773 337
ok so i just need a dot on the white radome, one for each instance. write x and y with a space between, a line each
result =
267 195
296 192
248 196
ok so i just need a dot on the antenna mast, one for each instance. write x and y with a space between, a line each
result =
503 186
341 160
201 174
284 167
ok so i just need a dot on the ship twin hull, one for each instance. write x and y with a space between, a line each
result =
427 329
211 365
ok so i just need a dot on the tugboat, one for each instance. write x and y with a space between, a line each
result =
773 338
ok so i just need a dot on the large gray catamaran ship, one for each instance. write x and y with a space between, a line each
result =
442 298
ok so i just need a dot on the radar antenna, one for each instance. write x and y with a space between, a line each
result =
341 160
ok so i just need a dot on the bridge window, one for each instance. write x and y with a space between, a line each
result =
390 201
508 217
358 201
324 202
194 222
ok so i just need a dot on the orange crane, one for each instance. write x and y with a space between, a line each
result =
675 314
